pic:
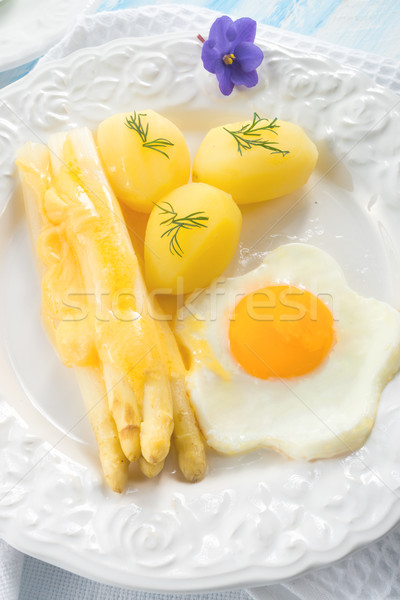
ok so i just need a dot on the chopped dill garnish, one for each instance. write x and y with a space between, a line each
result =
174 225
250 135
135 122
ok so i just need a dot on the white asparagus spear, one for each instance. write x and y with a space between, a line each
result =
131 346
33 161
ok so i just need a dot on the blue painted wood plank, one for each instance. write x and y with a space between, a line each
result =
369 25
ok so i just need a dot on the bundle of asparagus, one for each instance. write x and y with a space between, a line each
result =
99 316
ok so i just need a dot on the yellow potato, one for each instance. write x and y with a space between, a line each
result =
191 237
145 155
255 160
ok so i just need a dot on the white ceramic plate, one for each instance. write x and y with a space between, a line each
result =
257 518
30 27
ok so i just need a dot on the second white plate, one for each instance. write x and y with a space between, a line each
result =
29 28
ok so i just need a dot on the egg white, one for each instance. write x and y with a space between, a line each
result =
329 411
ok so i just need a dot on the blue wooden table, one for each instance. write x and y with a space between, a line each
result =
368 25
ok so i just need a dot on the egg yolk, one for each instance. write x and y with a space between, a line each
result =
280 331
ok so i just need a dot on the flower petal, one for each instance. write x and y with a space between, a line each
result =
210 56
223 73
240 77
220 34
249 56
231 33
245 30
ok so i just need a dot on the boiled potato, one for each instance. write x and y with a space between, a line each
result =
145 156
255 160
191 237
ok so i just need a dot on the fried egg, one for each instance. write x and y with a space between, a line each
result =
288 357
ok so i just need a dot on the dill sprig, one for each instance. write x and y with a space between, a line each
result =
174 225
250 135
135 122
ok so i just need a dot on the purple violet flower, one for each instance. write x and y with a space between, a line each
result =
230 53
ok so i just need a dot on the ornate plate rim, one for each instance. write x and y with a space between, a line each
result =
250 576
